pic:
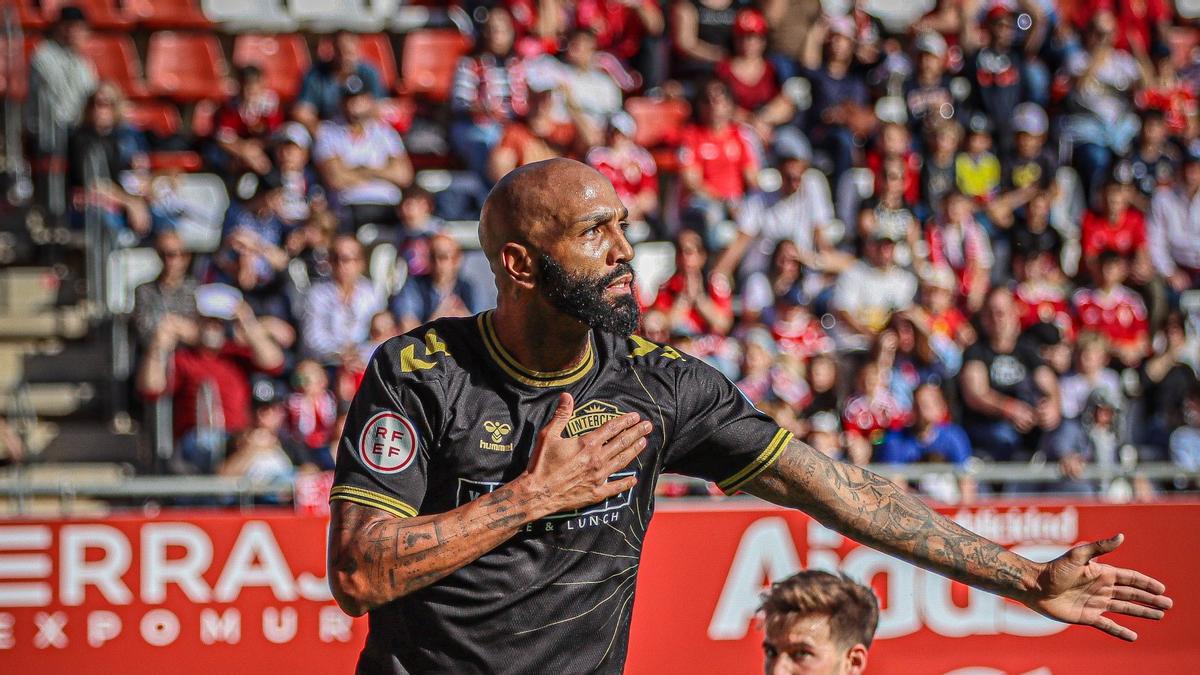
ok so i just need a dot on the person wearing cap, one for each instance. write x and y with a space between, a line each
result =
61 79
752 79
361 159
245 124
1032 164
302 190
927 92
1001 72
323 85
841 114
799 211
1174 227
628 166
870 290
208 377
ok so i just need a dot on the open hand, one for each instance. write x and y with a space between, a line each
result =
1075 588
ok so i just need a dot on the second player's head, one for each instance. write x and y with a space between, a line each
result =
817 623
554 233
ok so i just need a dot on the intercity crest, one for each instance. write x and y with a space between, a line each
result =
591 415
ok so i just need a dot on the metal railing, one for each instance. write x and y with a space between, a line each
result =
23 488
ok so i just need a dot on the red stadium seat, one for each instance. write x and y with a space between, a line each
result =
186 67
377 50
116 60
282 58
428 61
33 15
159 14
161 118
101 14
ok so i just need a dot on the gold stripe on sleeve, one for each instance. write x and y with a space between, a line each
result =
765 459
373 499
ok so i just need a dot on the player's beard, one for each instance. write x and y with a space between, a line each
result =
583 297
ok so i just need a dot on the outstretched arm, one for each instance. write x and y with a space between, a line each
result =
869 508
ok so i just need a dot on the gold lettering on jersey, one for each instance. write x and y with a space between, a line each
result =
498 430
409 361
591 415
434 344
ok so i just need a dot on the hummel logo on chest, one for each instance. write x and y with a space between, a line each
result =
498 431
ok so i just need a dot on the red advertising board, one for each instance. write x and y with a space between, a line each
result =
191 592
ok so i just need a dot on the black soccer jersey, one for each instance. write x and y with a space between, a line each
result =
445 415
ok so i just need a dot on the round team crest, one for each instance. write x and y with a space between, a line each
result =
388 443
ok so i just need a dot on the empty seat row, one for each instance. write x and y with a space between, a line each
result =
232 15
188 66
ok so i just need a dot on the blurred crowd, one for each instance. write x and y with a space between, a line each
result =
968 239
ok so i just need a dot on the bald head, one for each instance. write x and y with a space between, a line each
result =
541 201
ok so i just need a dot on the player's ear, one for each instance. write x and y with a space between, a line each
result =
856 659
519 264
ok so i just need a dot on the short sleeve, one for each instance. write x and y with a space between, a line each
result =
384 453
324 147
719 435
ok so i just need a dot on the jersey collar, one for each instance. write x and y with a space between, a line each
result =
533 378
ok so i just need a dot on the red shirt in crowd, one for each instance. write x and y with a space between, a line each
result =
312 419
948 323
631 173
1119 315
870 417
716 288
226 372
619 29
1038 302
1126 236
239 118
722 157
750 95
802 336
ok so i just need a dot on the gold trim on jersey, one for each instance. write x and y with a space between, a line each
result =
533 378
765 459
376 500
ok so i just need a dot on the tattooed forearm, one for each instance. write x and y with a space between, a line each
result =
872 510
375 557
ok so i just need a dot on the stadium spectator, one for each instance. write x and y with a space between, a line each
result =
701 35
695 305
1168 378
870 412
1185 440
800 211
302 190
817 622
1011 397
245 124
536 137
939 170
927 93
338 312
931 437
632 171
323 86
956 240
171 295
441 292
312 411
766 377
251 256
1115 227
977 170
489 90
311 243
1001 72
1153 162
1095 437
1031 234
627 29
840 116
825 434
209 381
97 155
361 159
61 79
1100 120
870 290
892 212
784 276
1091 373
587 84
908 356
1114 311
1174 227
752 80
937 315
893 147
795 327
717 163
418 224
1032 167
258 454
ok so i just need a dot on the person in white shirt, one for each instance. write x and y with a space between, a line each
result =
337 313
1173 228
869 291
361 159
800 210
